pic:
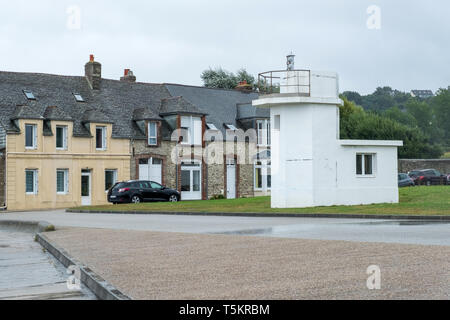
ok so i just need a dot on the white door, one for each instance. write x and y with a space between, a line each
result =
231 179
152 171
191 181
86 198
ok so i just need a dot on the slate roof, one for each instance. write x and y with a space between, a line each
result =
56 114
145 114
220 105
176 105
121 103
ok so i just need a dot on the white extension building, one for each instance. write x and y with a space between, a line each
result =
311 165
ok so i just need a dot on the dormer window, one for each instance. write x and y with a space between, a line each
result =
29 95
152 133
212 127
231 127
100 138
78 97
30 136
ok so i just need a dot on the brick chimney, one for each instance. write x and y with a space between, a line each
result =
93 73
244 87
128 76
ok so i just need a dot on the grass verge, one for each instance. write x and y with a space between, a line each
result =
413 201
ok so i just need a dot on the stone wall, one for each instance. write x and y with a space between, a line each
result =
213 174
443 165
141 150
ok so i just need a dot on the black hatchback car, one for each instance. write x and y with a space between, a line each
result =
141 191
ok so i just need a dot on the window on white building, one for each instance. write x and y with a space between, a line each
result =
61 138
62 181
100 138
365 164
110 179
31 182
30 136
193 128
263 130
152 134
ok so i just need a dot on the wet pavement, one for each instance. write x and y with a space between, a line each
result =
404 232
27 272
366 230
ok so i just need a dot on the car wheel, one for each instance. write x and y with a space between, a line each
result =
136 199
173 198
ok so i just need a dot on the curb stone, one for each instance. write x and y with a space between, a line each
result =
276 215
32 226
100 287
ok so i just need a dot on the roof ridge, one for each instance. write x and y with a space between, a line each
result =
203 87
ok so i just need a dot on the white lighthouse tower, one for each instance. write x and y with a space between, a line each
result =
311 165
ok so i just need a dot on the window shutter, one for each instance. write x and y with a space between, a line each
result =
66 181
105 130
36 179
35 136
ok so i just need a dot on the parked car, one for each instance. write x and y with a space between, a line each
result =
405 181
141 191
429 177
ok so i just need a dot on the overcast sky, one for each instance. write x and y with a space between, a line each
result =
174 41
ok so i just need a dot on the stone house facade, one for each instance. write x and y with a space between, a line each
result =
93 132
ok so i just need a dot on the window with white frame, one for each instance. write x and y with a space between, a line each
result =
263 175
62 181
152 133
263 131
31 182
365 164
100 138
30 136
61 137
110 179
193 126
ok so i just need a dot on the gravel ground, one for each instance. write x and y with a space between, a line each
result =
154 265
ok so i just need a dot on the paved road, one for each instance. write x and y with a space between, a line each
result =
388 231
28 273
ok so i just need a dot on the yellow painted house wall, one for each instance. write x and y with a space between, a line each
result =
81 154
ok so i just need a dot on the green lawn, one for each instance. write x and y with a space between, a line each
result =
413 201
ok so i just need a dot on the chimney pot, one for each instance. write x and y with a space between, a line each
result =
128 76
93 72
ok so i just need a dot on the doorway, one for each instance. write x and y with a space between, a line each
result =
231 179
191 180
86 184
150 170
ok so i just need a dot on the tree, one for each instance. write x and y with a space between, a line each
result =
353 96
426 120
441 106
222 79
400 116
360 125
